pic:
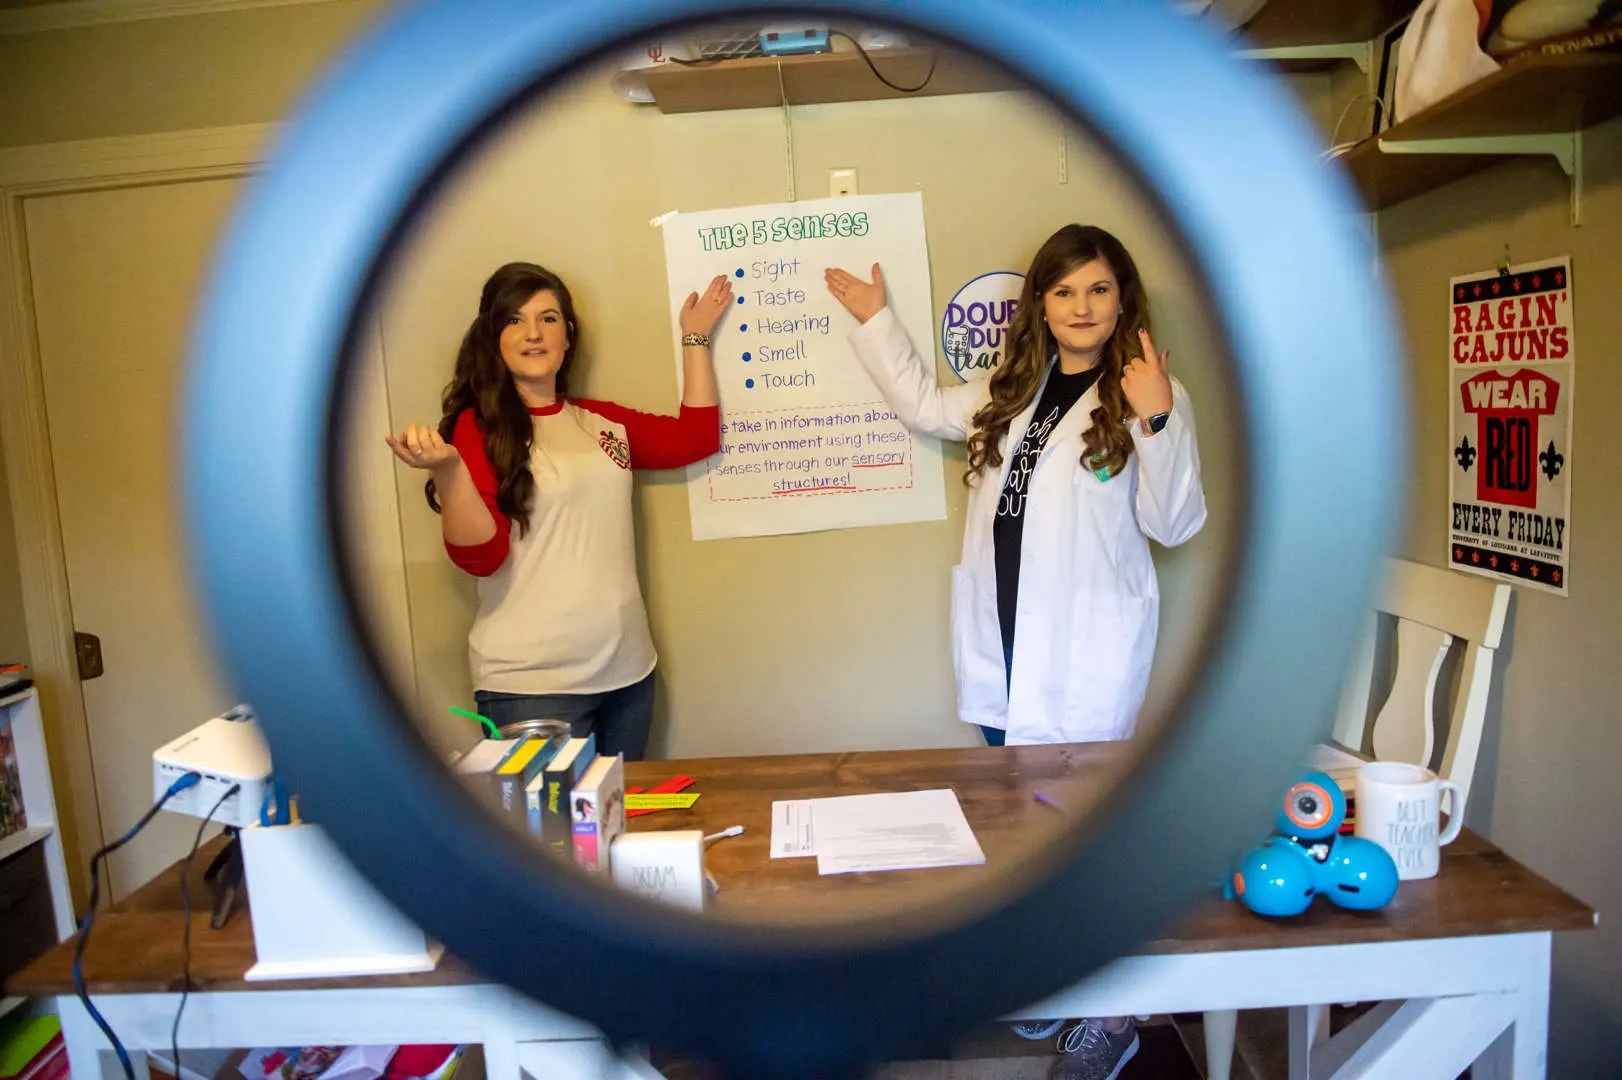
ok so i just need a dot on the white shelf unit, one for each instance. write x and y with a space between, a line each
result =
20 712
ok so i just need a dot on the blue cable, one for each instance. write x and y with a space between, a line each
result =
189 780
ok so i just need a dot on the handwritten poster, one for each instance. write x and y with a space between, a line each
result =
807 443
1511 366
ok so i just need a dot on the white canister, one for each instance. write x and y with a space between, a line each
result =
1399 807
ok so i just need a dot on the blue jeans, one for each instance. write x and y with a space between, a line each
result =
621 718
998 736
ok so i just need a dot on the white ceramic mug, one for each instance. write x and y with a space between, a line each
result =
1399 807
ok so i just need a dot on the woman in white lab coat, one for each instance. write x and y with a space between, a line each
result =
1081 450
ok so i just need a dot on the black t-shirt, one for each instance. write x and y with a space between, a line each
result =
1007 529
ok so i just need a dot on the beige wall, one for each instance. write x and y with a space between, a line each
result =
173 74
1547 787
832 640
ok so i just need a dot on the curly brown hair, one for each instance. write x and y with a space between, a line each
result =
481 382
1108 442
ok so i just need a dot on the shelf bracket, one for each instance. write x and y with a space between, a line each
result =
1360 53
1565 147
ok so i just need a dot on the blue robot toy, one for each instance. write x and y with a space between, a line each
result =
1308 857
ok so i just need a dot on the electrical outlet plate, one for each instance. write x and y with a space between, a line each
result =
841 182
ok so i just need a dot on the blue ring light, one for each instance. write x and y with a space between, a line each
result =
1232 165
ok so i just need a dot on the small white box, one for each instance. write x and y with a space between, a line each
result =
223 752
315 916
663 866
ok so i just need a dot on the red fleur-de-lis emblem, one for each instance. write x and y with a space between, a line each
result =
1537 280
1478 290
1475 556
1516 285
1559 277
1460 294
1534 570
1458 554
1494 561
1516 566
1495 288
617 449
1554 576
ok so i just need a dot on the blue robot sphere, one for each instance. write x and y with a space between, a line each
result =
1313 808
1281 876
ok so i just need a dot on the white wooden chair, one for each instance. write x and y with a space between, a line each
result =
1435 633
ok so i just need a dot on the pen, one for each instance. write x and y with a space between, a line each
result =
1046 801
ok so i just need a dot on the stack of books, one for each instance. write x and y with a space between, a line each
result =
558 788
13 817
14 677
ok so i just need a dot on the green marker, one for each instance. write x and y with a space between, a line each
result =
495 732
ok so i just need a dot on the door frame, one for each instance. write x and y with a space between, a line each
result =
33 172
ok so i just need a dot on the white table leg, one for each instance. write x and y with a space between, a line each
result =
501 1060
1220 1026
83 1039
1522 1051
1309 1028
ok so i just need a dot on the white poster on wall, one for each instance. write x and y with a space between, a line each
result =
807 443
1512 358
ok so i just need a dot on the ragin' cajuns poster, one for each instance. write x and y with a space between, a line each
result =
1511 360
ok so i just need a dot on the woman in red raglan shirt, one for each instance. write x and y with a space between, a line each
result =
534 490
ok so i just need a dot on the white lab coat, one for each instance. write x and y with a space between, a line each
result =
1088 606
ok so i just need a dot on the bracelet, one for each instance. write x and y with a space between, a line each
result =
701 340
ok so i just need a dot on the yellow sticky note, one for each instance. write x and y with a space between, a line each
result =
682 800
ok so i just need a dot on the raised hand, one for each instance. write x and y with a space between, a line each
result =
699 314
420 446
863 299
1145 382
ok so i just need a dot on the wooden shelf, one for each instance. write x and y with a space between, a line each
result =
1540 95
1285 24
765 82
17 841
817 80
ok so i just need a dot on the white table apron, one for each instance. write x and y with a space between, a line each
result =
1448 1003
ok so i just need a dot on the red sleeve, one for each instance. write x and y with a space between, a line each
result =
665 442
480 560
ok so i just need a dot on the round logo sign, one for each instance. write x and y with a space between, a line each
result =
974 330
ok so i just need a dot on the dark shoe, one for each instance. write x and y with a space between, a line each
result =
1090 1052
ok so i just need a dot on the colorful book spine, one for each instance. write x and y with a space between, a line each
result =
560 774
523 765
598 812
13 815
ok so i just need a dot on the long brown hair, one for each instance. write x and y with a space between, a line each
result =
1107 443
482 383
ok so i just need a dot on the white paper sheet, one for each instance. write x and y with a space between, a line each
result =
807 441
901 831
791 829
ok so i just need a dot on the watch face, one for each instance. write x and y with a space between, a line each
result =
1158 421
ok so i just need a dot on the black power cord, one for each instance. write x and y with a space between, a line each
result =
934 58
188 780
185 937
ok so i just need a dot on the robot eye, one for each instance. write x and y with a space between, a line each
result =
1308 806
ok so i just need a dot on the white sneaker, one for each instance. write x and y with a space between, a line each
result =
1037 1030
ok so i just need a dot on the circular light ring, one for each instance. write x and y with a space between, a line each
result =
1221 150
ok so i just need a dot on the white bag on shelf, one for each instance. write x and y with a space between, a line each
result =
1439 55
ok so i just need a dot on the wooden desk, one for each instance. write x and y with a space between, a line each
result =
1462 960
